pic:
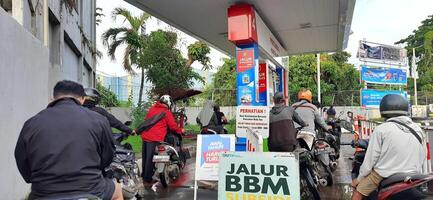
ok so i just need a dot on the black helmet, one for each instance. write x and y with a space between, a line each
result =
394 105
216 107
278 98
92 96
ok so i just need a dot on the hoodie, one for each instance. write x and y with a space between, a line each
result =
282 131
394 149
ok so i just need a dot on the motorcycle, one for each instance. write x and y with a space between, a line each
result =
170 157
308 175
322 152
124 168
396 187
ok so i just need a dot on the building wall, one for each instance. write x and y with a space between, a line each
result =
24 78
30 65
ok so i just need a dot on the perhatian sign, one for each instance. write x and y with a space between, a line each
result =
254 117
258 176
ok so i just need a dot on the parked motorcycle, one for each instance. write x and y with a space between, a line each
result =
396 187
124 168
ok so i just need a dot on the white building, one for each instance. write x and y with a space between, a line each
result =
41 42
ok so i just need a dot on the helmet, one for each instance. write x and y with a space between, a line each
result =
92 95
167 100
278 98
394 105
216 107
305 94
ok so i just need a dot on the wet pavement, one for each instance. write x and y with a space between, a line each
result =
183 188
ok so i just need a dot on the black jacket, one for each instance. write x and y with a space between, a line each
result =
282 131
114 122
63 150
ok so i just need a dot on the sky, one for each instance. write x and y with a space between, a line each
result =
380 21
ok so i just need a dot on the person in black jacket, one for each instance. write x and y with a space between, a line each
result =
92 99
63 149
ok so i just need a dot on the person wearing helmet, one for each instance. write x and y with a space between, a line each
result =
282 132
156 134
396 146
310 114
92 99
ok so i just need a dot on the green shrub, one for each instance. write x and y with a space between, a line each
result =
108 98
231 126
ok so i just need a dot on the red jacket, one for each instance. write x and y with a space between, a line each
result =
159 130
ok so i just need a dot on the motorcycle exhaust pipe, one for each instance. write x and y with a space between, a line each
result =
323 182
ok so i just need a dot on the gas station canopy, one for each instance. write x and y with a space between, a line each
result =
301 26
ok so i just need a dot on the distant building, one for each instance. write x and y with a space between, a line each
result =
42 42
125 86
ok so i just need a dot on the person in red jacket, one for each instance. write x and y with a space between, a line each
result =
156 134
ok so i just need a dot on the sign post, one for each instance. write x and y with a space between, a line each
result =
255 118
259 175
209 149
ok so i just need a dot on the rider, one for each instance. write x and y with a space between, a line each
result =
310 114
156 134
92 99
63 150
221 118
396 146
208 119
282 132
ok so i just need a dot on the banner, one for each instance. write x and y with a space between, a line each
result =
258 175
263 95
383 76
372 98
247 59
209 149
256 118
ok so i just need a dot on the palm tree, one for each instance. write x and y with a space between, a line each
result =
129 35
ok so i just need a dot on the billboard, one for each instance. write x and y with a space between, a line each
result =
372 98
375 51
390 76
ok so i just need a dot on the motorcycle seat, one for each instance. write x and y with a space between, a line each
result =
401 177
122 150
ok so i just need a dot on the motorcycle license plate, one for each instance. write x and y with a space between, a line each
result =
161 158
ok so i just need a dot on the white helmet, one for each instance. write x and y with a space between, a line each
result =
167 100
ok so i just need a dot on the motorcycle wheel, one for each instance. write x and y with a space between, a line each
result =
308 187
164 178
130 191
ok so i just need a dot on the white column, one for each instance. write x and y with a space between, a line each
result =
414 74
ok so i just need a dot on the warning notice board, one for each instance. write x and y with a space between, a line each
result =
254 117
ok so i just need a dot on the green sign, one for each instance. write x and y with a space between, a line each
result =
259 176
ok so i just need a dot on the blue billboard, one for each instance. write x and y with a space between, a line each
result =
390 76
372 98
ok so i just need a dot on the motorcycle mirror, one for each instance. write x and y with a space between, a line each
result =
346 125
128 123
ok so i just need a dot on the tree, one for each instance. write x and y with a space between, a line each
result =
223 87
98 16
337 76
108 98
165 67
131 36
422 40
199 51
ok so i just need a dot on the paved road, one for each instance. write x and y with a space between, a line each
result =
183 188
